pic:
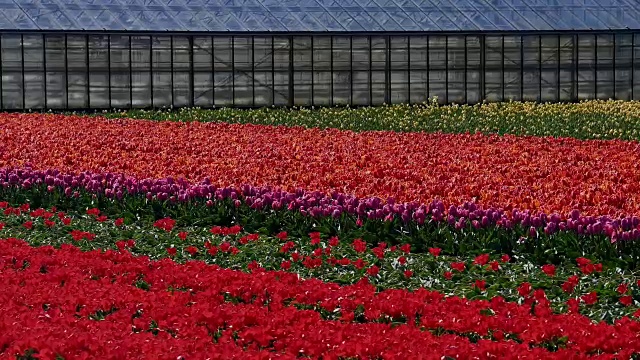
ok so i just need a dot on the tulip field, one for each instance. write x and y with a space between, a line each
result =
496 231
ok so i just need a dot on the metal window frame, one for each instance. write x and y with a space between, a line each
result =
428 67
153 103
273 70
387 70
253 71
109 70
313 78
408 69
446 69
521 68
130 75
291 99
596 67
466 67
66 72
558 69
576 67
502 84
173 88
192 98
633 63
24 89
370 79
613 66
1 75
44 71
483 68
213 71
388 66
88 73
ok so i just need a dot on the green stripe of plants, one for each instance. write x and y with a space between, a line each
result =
556 248
501 277
586 120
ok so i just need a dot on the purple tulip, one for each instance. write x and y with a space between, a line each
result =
317 203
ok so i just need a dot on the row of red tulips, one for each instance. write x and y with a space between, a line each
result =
132 307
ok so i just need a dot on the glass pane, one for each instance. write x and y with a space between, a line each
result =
531 63
605 73
399 87
140 75
378 53
263 53
549 68
302 87
512 70
99 90
56 77
360 63
456 64
322 88
243 89
378 87
322 53
568 80
120 75
78 86
623 68
341 70
141 52
263 88
98 53
281 65
222 54
34 78
141 89
181 53
203 89
12 80
182 89
322 67
243 70
586 66
202 54
12 90
33 50
243 53
281 88
399 69
419 77
162 95
302 66
223 88
56 90
493 68
473 91
437 68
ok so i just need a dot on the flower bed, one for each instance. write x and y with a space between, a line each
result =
537 174
190 240
164 310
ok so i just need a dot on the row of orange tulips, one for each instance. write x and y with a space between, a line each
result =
546 174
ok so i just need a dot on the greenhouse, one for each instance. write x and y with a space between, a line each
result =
107 54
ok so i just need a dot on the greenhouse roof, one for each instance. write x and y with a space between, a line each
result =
319 15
